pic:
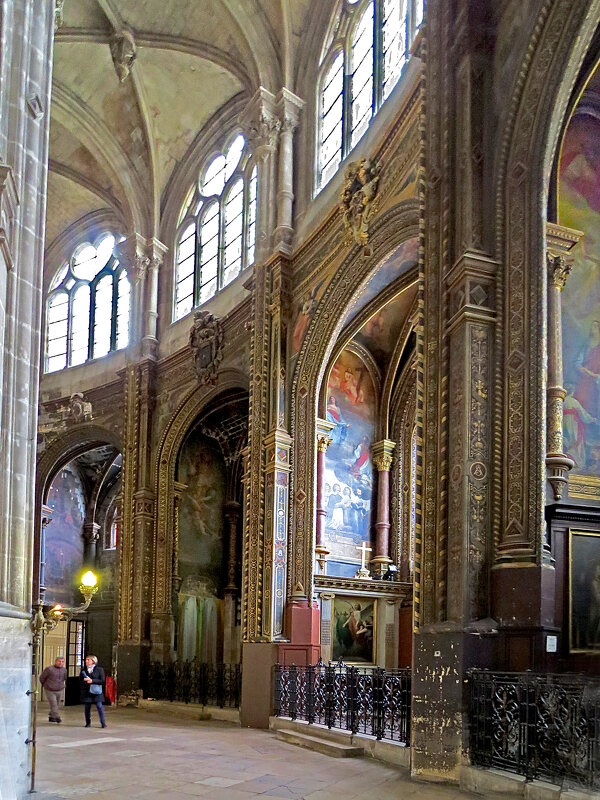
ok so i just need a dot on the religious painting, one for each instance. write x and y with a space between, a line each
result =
64 537
380 334
201 529
348 494
201 520
584 591
353 629
579 208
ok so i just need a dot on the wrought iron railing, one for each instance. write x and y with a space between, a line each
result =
368 700
194 682
540 726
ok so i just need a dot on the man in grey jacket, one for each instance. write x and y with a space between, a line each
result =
53 680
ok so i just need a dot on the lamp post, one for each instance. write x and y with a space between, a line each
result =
43 621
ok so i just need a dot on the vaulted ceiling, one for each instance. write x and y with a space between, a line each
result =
115 145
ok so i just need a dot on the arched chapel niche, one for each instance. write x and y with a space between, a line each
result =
80 532
367 478
208 487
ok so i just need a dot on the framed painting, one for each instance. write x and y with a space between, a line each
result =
584 591
353 627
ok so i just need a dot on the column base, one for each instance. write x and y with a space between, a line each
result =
379 565
130 664
303 633
258 659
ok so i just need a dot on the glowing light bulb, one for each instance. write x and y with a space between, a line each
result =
89 580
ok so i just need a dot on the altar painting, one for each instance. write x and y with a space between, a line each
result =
348 496
579 208
353 630
201 524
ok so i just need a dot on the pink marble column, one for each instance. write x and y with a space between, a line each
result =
382 458
323 442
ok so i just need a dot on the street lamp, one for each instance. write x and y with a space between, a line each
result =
43 621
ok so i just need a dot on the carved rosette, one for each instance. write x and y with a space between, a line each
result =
123 52
206 344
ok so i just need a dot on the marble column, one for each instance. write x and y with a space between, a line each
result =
47 513
382 452
559 257
324 428
91 534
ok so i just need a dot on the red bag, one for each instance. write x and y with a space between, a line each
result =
111 690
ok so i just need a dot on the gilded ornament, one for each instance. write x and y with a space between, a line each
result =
206 344
359 199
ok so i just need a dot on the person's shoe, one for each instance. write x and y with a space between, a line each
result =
53 719
88 725
104 726
58 719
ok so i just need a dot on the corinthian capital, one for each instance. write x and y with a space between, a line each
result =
260 123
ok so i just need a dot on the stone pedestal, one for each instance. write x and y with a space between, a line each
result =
15 705
130 661
302 628
258 659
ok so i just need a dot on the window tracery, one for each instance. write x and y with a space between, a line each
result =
88 306
217 227
366 51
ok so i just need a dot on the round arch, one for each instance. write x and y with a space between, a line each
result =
557 49
388 232
172 438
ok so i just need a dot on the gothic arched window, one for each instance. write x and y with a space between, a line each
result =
366 51
216 235
87 311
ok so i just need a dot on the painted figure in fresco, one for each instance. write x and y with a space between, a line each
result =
350 385
361 508
361 458
334 508
588 367
338 434
575 420
348 509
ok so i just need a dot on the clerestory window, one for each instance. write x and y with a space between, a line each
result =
366 51
216 235
88 306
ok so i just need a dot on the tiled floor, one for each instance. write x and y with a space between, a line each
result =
142 755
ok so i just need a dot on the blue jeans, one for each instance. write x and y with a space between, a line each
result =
87 709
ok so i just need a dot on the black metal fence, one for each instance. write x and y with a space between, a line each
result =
540 726
194 682
368 700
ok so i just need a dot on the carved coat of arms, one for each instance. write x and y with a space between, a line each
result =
206 344
359 199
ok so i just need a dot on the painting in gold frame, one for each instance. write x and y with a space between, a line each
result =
584 591
353 629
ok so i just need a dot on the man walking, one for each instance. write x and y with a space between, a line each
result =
53 680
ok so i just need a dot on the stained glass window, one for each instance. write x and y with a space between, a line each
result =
217 227
87 312
366 51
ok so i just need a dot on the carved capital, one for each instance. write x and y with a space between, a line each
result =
323 442
382 454
260 123
559 269
559 256
289 107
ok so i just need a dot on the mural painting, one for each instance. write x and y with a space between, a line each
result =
584 591
348 470
64 537
200 615
380 334
579 207
353 629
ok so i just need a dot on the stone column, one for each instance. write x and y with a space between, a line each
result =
47 513
142 259
382 458
289 107
324 428
261 126
91 534
178 490
560 243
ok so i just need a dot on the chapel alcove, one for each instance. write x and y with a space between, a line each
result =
209 495
367 476
80 531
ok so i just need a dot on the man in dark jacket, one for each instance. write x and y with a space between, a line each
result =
92 680
53 680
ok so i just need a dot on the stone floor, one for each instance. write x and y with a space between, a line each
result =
143 755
